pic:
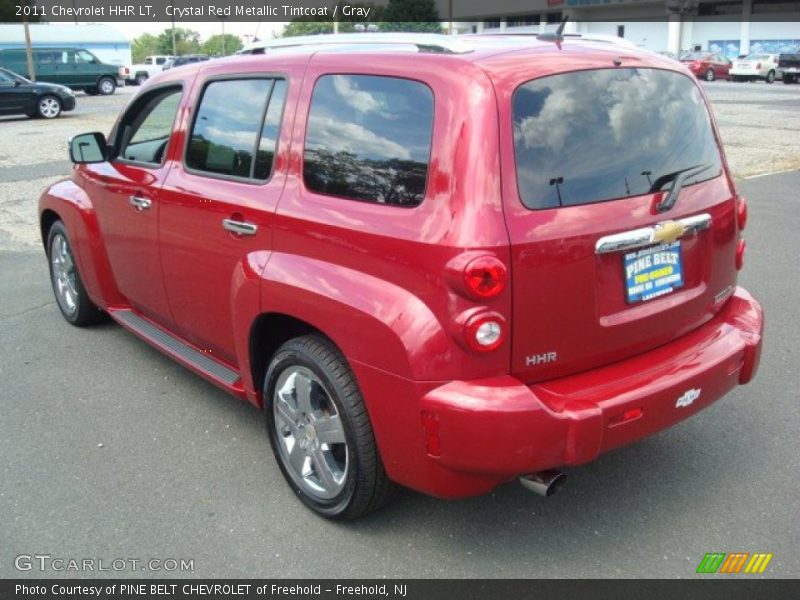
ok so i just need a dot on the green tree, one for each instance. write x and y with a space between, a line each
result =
297 27
307 26
411 15
187 41
214 46
144 45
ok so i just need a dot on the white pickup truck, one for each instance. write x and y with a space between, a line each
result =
152 65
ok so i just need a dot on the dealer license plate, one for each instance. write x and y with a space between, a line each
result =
652 272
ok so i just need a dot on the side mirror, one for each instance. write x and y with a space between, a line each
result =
88 148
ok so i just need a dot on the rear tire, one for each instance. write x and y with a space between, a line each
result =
320 431
71 296
106 86
770 77
140 78
710 75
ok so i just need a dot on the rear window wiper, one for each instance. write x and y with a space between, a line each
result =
678 179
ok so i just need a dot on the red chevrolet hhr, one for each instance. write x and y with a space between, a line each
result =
442 263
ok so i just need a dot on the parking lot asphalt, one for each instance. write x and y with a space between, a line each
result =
109 450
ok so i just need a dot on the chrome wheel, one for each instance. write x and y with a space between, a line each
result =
49 107
64 275
309 433
106 86
710 75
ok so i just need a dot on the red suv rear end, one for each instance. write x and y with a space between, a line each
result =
435 263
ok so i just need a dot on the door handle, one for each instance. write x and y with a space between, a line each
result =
139 202
666 231
239 227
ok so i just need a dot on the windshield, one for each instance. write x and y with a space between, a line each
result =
758 57
590 136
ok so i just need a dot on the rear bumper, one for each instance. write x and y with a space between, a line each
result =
499 428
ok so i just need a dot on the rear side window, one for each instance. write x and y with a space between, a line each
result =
590 136
237 120
369 138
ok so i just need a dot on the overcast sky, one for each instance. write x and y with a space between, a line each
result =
205 29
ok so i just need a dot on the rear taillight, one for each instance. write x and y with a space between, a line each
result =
485 331
485 277
741 213
740 249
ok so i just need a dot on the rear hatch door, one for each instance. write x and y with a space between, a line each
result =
602 269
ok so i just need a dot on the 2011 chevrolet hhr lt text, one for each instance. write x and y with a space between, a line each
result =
441 263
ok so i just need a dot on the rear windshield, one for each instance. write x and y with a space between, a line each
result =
696 56
591 136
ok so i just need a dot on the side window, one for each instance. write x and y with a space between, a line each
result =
159 61
237 119
145 134
369 138
82 56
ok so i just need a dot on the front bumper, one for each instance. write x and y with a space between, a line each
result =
67 103
499 428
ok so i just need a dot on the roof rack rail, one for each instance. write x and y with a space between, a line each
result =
590 37
425 42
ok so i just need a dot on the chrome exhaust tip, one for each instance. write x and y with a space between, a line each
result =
544 483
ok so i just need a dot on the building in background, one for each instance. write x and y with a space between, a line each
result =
104 41
729 27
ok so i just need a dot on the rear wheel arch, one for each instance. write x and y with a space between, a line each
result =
268 333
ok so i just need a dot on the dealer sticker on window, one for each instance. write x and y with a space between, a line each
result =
653 272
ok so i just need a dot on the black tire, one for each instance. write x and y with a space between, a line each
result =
48 107
106 86
365 486
84 312
710 75
770 77
140 78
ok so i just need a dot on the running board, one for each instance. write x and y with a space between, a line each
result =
175 347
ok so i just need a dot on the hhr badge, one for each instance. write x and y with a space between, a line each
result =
688 397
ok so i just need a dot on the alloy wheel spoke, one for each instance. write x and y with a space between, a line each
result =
286 413
297 459
329 430
303 392
322 470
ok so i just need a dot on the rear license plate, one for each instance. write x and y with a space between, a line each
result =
652 272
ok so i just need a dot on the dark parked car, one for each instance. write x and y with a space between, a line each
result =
707 65
789 67
21 96
187 59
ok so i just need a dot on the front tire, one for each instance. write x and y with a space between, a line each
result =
710 75
320 431
770 77
106 86
48 107
71 296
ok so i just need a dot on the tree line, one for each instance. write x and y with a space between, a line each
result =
396 15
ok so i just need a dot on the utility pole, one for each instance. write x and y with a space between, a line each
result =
28 49
174 49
